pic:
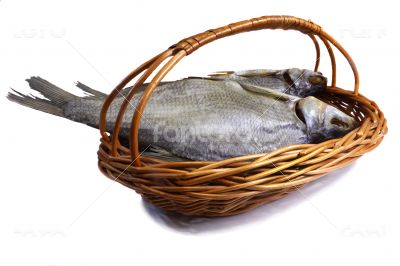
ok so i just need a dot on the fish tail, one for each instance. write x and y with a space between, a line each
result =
55 97
34 102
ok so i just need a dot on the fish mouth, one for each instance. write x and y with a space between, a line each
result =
340 123
340 120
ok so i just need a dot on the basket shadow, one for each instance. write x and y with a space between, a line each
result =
195 225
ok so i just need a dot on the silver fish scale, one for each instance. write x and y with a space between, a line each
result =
203 119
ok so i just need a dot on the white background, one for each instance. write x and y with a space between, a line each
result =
58 209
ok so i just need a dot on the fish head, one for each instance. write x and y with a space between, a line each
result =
304 82
322 120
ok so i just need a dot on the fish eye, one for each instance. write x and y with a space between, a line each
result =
315 80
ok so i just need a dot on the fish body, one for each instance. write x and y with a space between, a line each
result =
223 116
203 119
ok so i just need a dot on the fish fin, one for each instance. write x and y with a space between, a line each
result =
55 100
258 73
245 73
53 93
89 90
162 154
34 102
221 74
269 92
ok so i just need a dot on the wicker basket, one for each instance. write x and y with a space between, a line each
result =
232 186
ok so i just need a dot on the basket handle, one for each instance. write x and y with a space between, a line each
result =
188 46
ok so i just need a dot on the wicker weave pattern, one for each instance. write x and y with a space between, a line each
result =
239 184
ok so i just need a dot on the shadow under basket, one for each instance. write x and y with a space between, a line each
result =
235 185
